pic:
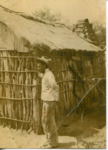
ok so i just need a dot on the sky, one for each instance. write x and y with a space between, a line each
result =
71 10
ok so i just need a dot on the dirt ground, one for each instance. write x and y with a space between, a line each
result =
10 138
88 132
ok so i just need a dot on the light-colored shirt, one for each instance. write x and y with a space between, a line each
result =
50 89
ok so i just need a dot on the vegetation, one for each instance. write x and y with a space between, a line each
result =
100 32
47 15
93 32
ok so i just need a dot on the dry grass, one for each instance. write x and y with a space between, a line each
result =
55 36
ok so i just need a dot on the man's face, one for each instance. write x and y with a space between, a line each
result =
41 67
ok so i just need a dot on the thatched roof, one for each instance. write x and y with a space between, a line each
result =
56 36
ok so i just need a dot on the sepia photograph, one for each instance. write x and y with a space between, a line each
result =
53 74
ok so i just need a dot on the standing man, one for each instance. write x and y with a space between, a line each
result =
49 96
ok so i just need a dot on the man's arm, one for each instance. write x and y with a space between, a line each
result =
52 81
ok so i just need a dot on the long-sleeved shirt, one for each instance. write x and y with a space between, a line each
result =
50 90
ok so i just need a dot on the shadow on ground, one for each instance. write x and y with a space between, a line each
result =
94 118
66 145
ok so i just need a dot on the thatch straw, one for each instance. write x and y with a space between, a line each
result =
55 36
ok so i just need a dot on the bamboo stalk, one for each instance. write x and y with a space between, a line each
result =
34 94
38 109
13 71
16 84
17 120
17 99
8 91
2 102
5 90
67 87
22 111
63 88
26 88
64 85
62 104
10 64
70 86
20 57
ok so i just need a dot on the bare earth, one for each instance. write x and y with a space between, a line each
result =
10 138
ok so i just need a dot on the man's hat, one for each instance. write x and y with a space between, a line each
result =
44 59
